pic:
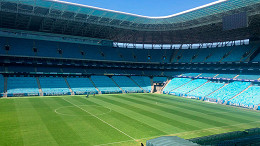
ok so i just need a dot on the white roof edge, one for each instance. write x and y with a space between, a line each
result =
149 17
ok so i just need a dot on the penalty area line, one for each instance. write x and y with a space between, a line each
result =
100 120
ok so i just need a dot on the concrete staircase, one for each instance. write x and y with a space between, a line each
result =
198 75
215 76
72 93
117 85
39 86
167 82
236 76
99 92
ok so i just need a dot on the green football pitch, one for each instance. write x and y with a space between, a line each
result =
115 119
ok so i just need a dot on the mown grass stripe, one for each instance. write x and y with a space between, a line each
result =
32 127
215 107
166 128
88 127
10 131
235 116
134 126
200 110
172 122
58 128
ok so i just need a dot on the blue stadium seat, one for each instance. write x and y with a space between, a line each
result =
105 84
249 98
206 89
54 85
1 85
175 83
189 87
126 84
143 82
159 79
81 85
229 90
22 85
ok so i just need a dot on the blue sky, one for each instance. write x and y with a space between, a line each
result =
145 7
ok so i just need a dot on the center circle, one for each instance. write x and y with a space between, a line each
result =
83 110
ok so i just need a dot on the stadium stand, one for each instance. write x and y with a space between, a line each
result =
208 75
105 84
189 87
229 91
22 85
81 85
248 77
159 79
226 76
126 84
1 85
205 89
249 98
175 83
54 86
143 82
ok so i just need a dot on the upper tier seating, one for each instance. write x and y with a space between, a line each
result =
226 76
237 53
249 98
143 82
203 53
207 75
81 85
105 84
126 84
175 83
206 89
189 86
17 85
159 79
54 85
1 84
218 53
24 47
248 77
186 55
191 74
229 91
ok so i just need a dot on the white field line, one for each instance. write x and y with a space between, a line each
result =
57 110
176 134
100 119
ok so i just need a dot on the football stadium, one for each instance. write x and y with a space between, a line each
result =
73 74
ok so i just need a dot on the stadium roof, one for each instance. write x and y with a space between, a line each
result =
75 19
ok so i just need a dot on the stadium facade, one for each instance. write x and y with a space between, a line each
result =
211 53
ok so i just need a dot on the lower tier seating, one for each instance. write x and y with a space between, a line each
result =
143 82
126 84
175 83
22 85
159 79
229 91
189 87
81 85
248 98
206 89
54 85
1 85
105 84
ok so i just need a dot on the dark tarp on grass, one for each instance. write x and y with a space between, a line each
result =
169 141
